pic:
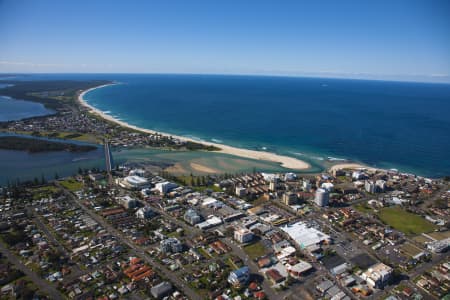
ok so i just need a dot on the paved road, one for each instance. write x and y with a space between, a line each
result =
137 250
44 286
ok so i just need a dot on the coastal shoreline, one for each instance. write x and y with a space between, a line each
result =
285 161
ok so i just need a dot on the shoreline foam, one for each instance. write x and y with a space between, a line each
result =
285 161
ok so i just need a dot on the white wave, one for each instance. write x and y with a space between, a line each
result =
330 158
217 141
318 157
298 153
106 112
264 148
193 137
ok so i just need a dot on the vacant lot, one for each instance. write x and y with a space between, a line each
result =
404 221
255 250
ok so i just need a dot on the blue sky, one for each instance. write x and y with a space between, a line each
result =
394 39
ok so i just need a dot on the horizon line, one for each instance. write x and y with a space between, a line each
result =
337 77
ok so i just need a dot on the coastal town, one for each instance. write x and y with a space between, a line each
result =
349 233
225 150
133 231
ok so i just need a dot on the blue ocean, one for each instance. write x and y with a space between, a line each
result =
383 124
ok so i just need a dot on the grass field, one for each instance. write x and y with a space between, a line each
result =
404 221
255 250
363 208
72 185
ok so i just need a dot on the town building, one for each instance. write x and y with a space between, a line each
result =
378 275
161 290
239 277
289 198
306 236
133 182
192 217
171 245
322 197
243 235
240 191
128 202
145 213
165 187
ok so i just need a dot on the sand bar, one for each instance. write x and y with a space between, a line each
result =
285 161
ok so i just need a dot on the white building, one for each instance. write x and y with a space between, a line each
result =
306 236
243 235
322 197
241 191
128 202
134 182
145 213
378 275
165 187
137 172
328 186
290 176
211 221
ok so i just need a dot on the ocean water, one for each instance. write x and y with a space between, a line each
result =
383 124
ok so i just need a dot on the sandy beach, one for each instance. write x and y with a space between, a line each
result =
284 161
351 166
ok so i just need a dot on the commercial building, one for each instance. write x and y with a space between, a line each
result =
145 213
241 191
439 246
378 186
299 269
239 277
211 221
161 290
327 186
243 235
133 182
171 245
305 236
289 198
128 202
322 197
165 187
192 217
378 275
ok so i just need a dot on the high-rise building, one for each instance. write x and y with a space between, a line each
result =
289 198
322 197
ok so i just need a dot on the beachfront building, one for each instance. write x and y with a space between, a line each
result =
378 275
378 186
322 197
